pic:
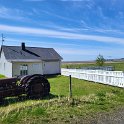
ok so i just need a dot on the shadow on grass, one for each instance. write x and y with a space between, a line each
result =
51 76
23 98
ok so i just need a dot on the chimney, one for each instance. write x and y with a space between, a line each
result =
23 46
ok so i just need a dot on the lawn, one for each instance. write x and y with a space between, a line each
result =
88 100
60 87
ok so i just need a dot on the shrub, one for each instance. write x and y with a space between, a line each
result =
100 60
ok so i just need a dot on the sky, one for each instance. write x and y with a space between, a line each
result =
79 30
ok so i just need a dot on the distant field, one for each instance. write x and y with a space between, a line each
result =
119 66
88 99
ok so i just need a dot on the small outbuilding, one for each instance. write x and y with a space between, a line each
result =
22 60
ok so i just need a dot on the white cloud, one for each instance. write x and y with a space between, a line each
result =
76 51
39 42
59 34
106 52
65 48
13 14
59 16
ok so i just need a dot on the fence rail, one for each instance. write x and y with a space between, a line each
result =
114 78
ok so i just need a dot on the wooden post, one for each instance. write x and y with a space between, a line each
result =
70 87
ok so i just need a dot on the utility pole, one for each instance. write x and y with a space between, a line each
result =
2 38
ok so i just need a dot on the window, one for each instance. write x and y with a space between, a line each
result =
24 69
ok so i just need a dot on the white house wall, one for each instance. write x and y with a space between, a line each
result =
33 68
51 67
5 66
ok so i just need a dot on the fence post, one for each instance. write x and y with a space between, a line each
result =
70 87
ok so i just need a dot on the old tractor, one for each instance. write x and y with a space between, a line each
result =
34 86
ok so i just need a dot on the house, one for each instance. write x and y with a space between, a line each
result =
22 60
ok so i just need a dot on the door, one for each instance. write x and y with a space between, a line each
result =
51 67
37 68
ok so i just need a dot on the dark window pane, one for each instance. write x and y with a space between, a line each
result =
23 69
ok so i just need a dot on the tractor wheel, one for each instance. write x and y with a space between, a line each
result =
37 87
1 101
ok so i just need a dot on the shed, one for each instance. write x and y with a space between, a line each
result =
22 60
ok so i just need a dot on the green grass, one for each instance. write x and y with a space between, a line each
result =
2 76
88 99
60 87
119 66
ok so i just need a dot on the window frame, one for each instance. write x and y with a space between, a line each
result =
23 69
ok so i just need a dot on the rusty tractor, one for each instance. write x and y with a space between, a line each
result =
34 86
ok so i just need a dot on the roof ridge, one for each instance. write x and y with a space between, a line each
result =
27 47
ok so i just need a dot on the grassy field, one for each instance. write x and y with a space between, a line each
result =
89 99
118 66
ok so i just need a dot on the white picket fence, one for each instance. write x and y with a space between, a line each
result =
114 78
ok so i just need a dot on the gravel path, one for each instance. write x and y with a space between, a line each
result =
116 117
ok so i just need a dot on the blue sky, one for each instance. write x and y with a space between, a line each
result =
77 29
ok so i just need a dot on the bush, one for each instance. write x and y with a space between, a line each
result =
100 60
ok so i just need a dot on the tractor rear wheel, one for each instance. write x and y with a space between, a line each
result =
37 87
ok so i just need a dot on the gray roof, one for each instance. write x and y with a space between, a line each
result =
15 53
